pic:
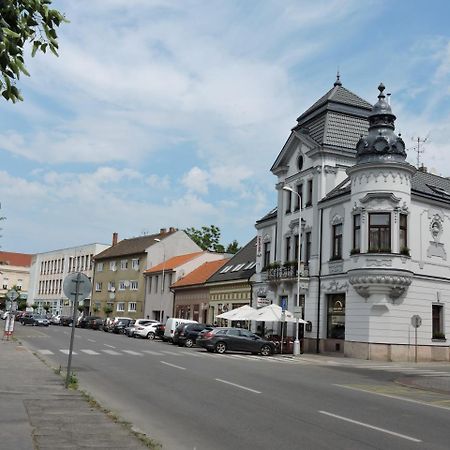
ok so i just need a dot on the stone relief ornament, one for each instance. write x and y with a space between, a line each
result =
436 227
436 248
335 286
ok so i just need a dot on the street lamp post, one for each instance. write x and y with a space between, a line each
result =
296 350
162 281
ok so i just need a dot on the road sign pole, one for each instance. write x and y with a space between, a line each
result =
415 350
72 335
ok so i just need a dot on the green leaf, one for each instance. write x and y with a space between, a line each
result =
10 33
36 45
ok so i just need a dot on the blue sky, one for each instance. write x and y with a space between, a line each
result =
171 113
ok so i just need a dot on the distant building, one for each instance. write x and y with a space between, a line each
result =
119 281
14 272
191 294
48 271
232 286
374 235
159 298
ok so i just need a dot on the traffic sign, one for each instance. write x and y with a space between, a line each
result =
298 312
12 294
416 321
77 286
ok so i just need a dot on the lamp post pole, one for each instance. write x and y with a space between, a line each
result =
296 350
162 281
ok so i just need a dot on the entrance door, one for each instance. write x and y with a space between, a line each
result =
336 316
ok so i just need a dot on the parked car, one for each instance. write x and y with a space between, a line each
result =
235 339
35 319
27 318
186 334
65 321
55 320
170 326
95 323
110 322
120 325
148 331
85 322
159 330
129 331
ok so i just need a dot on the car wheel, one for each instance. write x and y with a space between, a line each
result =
266 350
151 335
220 348
189 343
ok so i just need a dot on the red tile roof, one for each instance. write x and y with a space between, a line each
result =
201 274
174 262
15 259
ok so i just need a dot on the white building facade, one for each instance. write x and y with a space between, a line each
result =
48 271
374 235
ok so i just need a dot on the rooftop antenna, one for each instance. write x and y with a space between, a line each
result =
417 148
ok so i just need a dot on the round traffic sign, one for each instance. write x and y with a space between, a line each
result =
416 321
77 286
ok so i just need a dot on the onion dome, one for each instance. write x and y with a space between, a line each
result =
381 144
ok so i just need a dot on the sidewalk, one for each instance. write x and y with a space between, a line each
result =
38 413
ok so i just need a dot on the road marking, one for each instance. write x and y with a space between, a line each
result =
438 374
66 351
366 425
131 352
170 353
111 352
395 397
89 352
45 352
238 386
173 365
91 340
151 352
197 354
110 346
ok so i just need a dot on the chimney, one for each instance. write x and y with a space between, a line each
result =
162 231
115 238
172 229
423 169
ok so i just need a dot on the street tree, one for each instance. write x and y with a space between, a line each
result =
24 22
208 238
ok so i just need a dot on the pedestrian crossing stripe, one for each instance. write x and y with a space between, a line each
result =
111 352
89 352
131 352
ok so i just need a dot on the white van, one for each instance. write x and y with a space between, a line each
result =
171 324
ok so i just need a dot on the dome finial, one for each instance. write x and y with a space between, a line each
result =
338 81
381 88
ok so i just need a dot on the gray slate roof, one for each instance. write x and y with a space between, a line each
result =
424 184
270 215
245 255
337 119
132 246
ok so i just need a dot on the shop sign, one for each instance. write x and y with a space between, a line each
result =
262 301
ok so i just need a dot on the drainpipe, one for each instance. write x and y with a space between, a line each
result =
319 280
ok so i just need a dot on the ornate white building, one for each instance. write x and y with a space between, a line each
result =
374 235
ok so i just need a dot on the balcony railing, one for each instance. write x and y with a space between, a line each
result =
286 273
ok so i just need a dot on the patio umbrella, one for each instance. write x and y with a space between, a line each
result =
245 312
274 313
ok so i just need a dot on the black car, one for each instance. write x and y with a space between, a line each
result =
186 334
90 322
235 339
65 321
35 320
120 325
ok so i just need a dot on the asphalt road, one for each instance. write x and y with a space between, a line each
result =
191 399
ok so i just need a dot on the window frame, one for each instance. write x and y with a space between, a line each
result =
379 248
403 230
337 241
309 192
356 233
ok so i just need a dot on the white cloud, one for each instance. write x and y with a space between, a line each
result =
196 180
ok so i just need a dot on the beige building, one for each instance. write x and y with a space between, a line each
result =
14 272
118 276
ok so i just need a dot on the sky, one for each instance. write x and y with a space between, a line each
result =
170 113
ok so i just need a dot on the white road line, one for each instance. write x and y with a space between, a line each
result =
366 425
197 354
91 340
45 352
170 353
395 397
437 374
151 352
66 351
173 365
131 352
111 352
110 346
238 386
89 352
